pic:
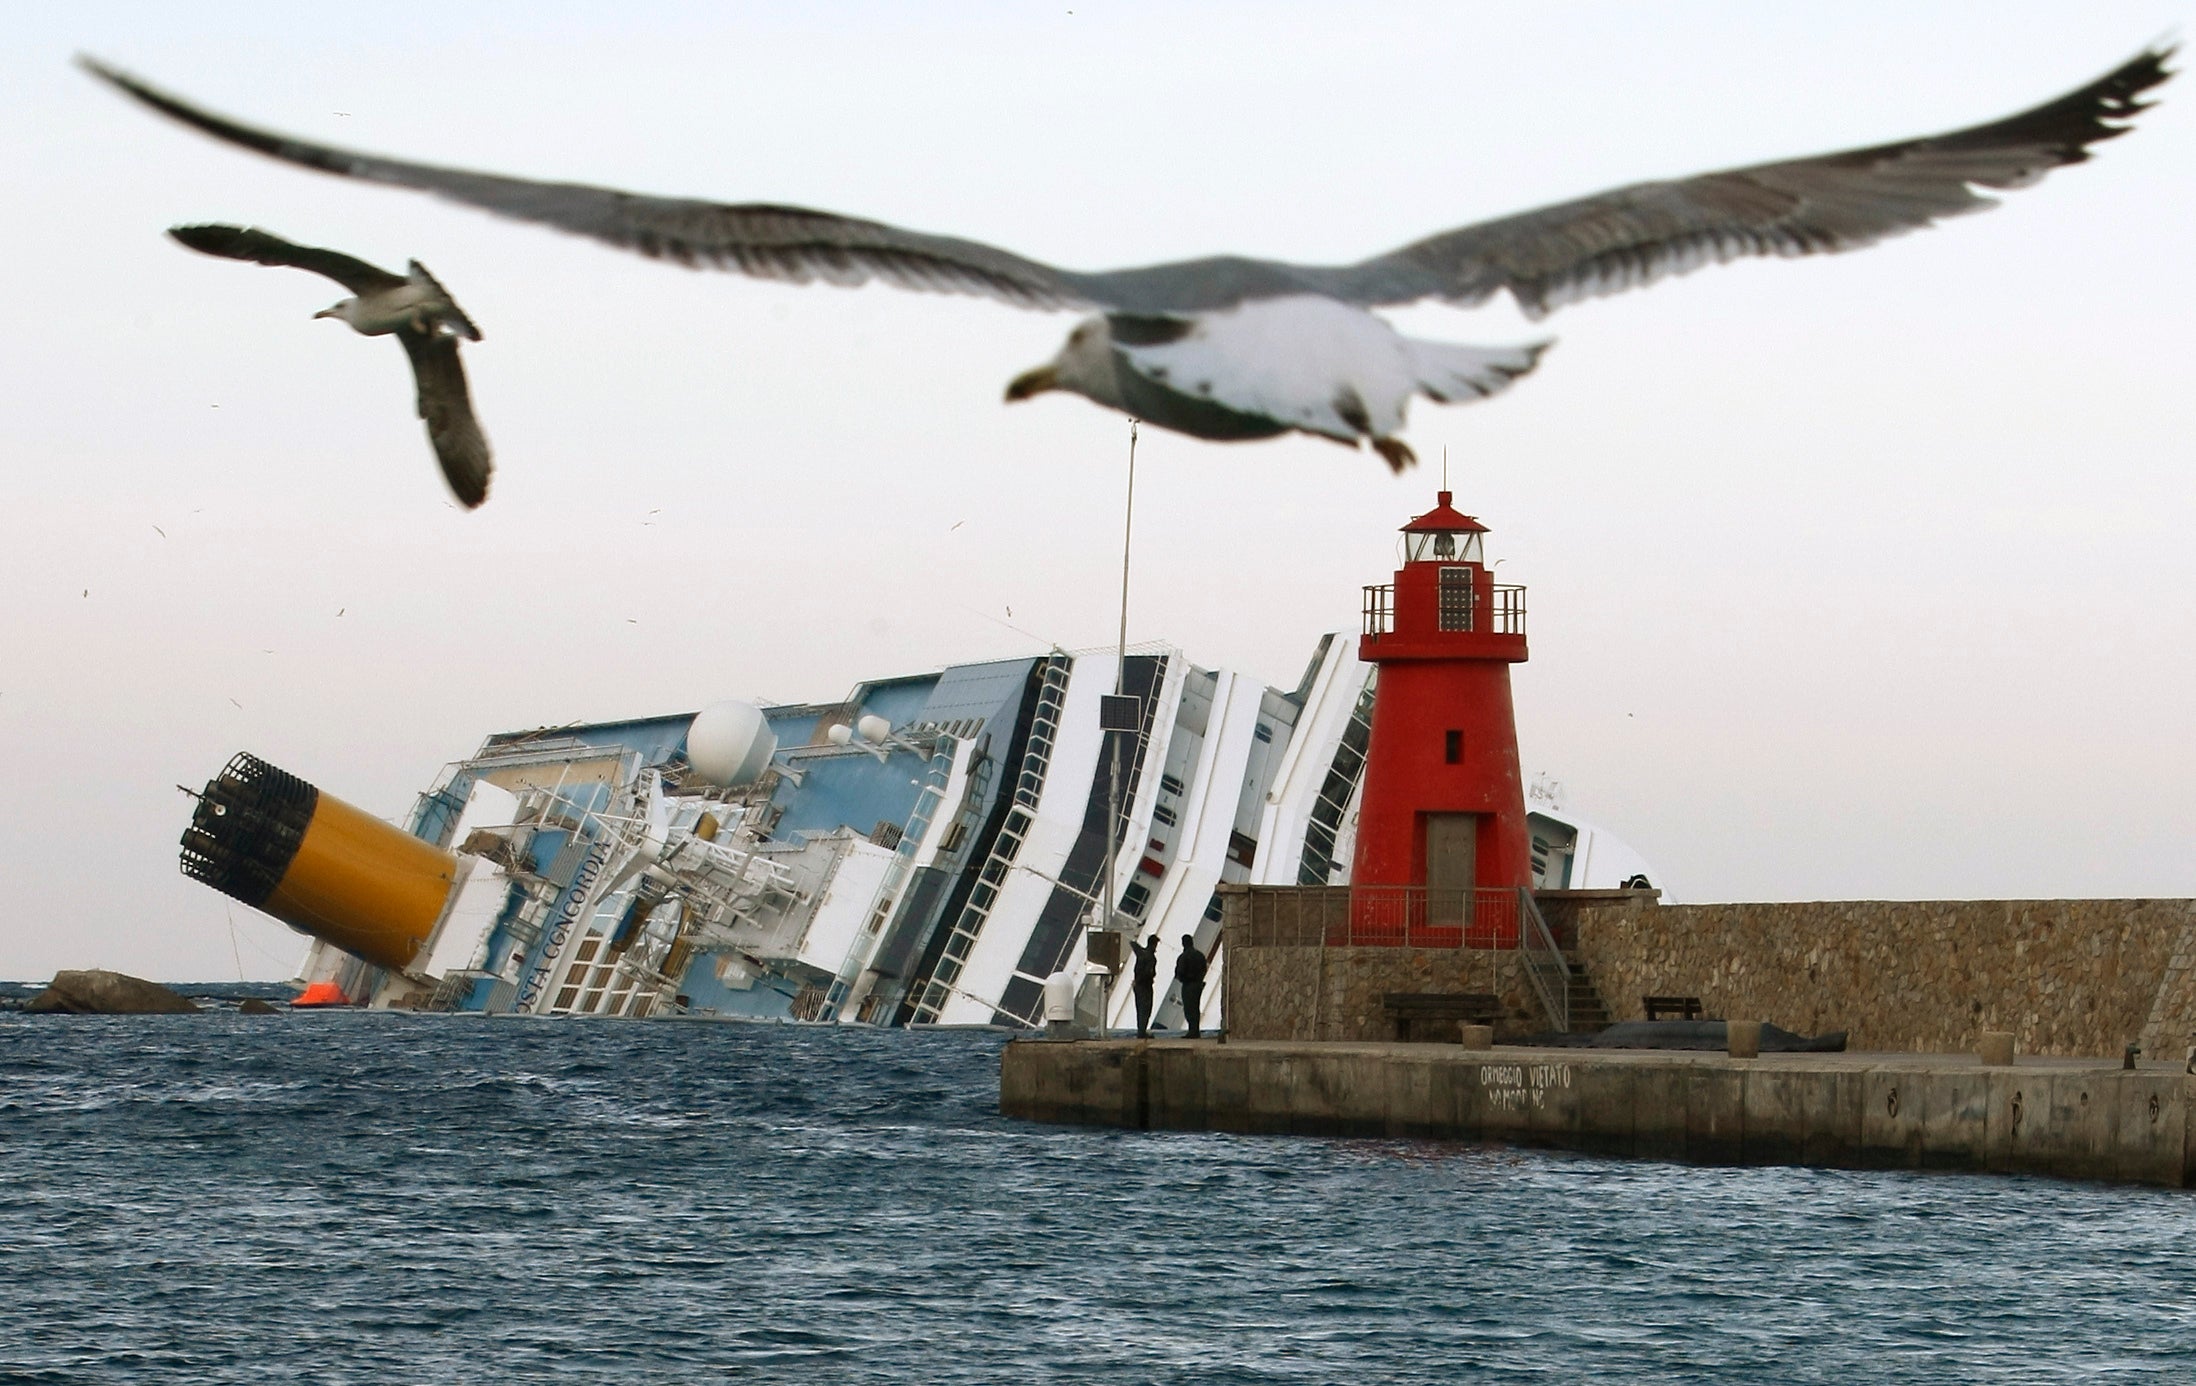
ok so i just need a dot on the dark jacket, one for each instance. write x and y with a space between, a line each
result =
1146 970
1189 968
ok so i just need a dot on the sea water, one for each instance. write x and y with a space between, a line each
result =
391 1199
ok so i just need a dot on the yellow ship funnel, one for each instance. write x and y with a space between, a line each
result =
267 838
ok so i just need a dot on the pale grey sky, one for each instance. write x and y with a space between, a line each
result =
1866 576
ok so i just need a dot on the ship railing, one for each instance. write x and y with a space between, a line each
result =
913 833
938 988
1492 919
454 987
726 870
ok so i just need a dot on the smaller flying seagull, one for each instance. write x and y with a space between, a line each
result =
413 308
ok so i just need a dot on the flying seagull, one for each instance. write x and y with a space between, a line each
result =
413 308
1233 347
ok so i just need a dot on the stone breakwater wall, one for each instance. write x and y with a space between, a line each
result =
2067 977
1288 992
2073 1119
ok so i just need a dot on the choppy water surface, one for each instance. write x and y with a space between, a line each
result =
357 1198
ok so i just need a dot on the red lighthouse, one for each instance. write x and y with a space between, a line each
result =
1442 806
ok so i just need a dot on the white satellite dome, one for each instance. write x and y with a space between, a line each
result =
730 743
873 728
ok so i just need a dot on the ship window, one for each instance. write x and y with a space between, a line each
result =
1262 732
1134 899
1160 813
1170 784
1455 611
1452 746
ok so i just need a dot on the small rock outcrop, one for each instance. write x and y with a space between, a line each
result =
252 1005
96 991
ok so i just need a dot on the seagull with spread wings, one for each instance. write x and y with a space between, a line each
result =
414 308
1232 347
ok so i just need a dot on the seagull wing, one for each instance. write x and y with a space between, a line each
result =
1544 258
759 239
1632 236
447 406
265 248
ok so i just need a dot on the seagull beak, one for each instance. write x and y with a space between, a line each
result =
327 313
1034 382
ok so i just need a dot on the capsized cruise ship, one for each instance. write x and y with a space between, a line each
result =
926 852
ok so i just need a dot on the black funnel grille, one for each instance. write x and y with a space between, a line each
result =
247 827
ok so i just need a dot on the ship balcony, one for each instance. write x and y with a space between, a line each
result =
1502 614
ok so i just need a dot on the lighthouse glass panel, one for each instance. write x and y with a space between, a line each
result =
1455 609
1443 546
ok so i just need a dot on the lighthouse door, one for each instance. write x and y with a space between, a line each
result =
1452 867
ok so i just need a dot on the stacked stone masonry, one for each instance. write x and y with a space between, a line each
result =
1302 993
2070 977
2067 977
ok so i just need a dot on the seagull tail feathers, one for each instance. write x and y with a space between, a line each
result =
1452 374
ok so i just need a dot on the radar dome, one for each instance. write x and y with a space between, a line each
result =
730 743
873 728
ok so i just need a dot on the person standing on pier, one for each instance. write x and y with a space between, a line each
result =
1142 979
1189 971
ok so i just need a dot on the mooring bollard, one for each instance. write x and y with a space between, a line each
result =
1997 1048
1478 1036
1742 1038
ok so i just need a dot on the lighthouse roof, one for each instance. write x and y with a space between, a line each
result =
1444 516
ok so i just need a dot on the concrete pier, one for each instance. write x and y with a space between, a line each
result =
2072 1118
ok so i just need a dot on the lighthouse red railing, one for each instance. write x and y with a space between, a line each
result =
1509 609
1385 917
1380 609
1508 616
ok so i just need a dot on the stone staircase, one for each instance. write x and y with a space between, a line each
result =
1588 1011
